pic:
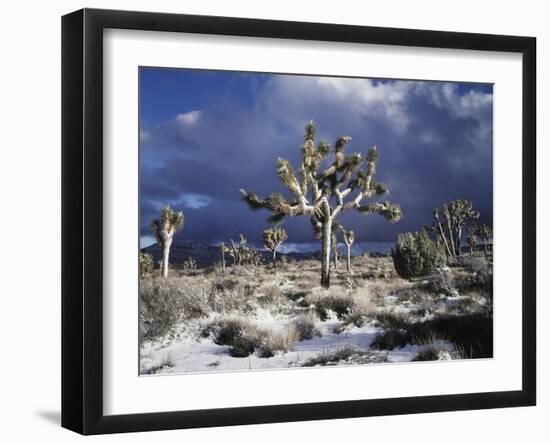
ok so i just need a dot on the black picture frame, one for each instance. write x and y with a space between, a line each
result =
82 218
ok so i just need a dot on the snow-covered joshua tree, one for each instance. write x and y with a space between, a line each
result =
324 195
164 229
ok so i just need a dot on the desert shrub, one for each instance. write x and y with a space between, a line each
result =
479 276
340 303
160 309
474 263
355 318
273 342
392 319
416 255
269 294
482 280
243 346
240 334
442 282
225 331
305 327
225 284
391 338
432 353
146 264
232 294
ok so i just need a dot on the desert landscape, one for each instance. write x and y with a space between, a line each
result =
261 317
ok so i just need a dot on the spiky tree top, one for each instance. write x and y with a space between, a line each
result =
168 223
484 232
273 237
460 212
322 195
349 237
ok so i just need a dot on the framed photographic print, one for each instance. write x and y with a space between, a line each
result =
269 221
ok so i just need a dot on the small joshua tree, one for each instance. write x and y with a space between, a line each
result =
472 240
243 254
324 195
349 238
484 232
456 216
164 229
273 237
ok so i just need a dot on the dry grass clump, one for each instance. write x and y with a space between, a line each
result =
273 342
269 294
379 289
245 338
333 300
306 326
164 365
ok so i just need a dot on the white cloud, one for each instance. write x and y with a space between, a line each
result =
195 201
189 118
378 100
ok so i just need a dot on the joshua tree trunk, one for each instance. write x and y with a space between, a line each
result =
458 237
325 263
451 237
442 235
348 262
164 229
165 256
223 257
274 257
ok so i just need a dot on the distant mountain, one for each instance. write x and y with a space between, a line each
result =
206 255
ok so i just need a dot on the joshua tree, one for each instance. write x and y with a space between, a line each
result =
472 240
484 232
164 229
243 254
456 215
349 238
273 237
335 255
324 195
222 250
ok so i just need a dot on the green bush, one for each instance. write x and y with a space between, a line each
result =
416 255
146 264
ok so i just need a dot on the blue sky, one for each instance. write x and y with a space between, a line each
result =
205 134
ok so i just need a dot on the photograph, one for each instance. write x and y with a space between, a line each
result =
291 221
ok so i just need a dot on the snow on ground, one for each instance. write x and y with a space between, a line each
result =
189 354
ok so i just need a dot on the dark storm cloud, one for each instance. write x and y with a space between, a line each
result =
435 145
